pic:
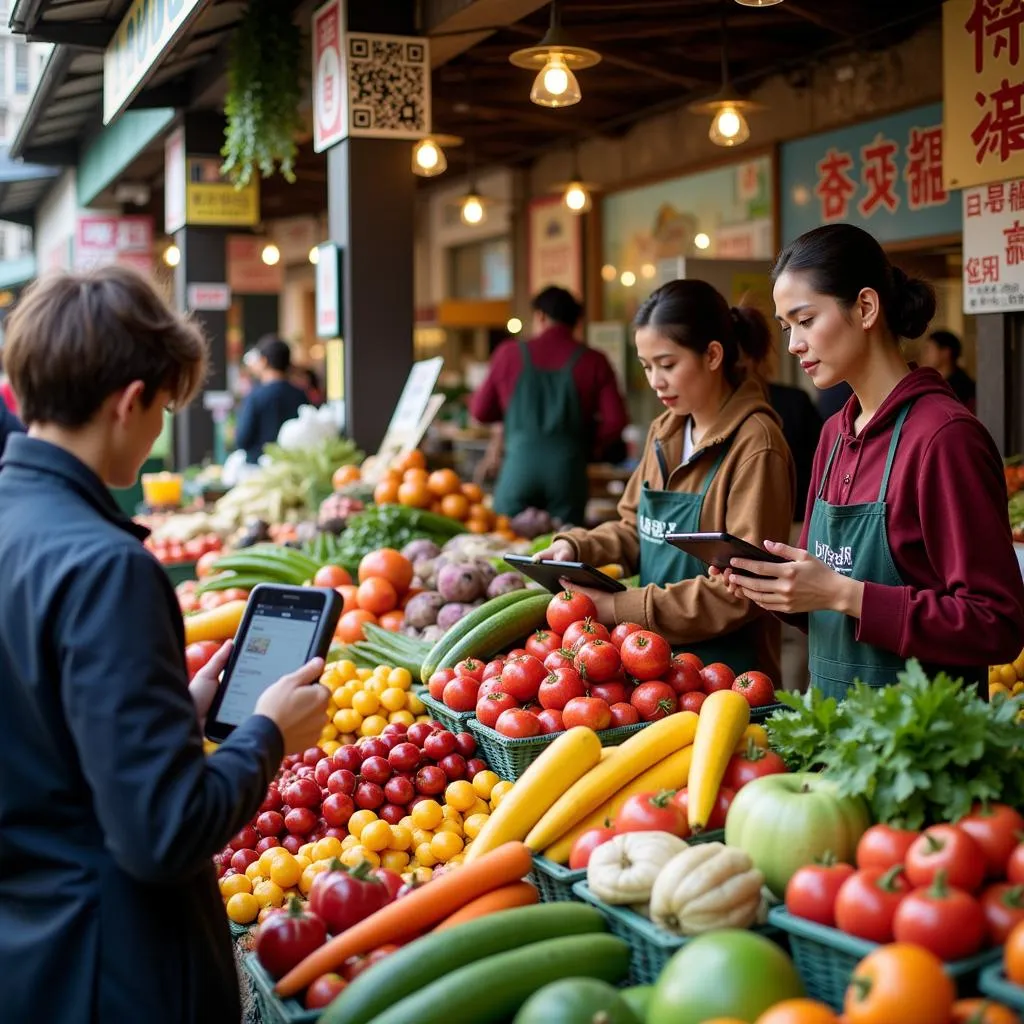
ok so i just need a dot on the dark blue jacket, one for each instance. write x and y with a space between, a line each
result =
9 424
109 810
268 407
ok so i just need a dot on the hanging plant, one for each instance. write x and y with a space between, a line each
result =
264 92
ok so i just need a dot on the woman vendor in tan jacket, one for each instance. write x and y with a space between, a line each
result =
715 460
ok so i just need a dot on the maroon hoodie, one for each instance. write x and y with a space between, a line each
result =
948 525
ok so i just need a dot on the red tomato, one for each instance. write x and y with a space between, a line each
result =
438 681
645 655
550 721
517 723
611 693
654 701
589 711
490 707
946 848
811 892
754 763
716 820
582 632
560 687
198 654
522 677
717 676
542 643
758 689
684 677
285 940
622 630
944 920
883 846
996 828
652 812
692 701
559 659
489 686
586 843
392 882
690 659
866 903
1015 865
1003 905
623 714
567 608
324 991
461 694
471 667
598 661
331 576
493 669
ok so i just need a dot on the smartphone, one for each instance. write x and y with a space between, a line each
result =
551 574
718 549
283 628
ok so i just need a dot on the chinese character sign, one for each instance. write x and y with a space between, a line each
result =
983 80
994 248
885 176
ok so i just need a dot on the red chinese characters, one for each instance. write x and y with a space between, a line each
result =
879 173
1001 128
835 186
1014 244
982 271
1015 191
1000 21
923 172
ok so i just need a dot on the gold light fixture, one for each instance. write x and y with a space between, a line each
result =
428 156
758 3
577 197
514 325
271 255
314 255
472 210
555 59
702 240
172 255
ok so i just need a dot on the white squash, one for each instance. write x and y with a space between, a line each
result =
622 871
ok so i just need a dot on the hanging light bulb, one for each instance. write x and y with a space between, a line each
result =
271 255
556 85
555 58
702 241
729 127
314 255
428 159
577 197
172 255
514 325
472 211
758 3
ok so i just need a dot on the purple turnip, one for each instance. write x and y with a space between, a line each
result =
421 611
422 548
451 613
505 583
461 583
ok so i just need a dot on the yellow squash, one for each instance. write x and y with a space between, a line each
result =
220 623
571 756
607 752
636 755
669 773
723 718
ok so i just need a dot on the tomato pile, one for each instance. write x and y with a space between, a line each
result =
174 552
576 672
378 597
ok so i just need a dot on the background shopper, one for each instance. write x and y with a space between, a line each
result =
942 352
273 401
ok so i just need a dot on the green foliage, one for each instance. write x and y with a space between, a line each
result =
264 92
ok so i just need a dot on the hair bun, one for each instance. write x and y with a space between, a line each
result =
751 331
914 305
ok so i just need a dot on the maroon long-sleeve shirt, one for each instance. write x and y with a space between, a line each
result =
600 400
949 531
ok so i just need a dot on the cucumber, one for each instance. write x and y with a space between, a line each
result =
465 625
493 989
498 631
577 1001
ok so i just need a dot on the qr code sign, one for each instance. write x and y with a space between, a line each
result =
388 86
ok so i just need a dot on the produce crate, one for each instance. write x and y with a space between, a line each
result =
511 757
273 1009
555 881
759 715
826 957
994 984
180 572
456 721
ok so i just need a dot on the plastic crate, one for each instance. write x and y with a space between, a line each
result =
759 715
273 1009
555 881
180 572
511 757
994 984
456 721
826 957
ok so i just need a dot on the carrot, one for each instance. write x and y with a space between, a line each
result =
416 912
518 894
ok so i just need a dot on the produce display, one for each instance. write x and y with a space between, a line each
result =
1007 680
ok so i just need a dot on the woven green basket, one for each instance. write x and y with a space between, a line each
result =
759 715
456 721
239 931
272 1008
511 757
555 881
995 984
826 957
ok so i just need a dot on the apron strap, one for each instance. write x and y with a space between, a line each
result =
659 454
715 467
894 441
828 466
524 354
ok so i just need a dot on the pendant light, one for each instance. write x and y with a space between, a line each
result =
758 3
555 59
472 210
577 194
728 124
428 155
172 255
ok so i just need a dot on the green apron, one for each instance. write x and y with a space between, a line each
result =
547 445
852 540
662 512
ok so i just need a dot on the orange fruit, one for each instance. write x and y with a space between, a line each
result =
455 506
409 460
377 595
477 526
480 511
415 475
1013 955
414 493
348 593
386 492
350 625
392 621
345 475
388 564
443 482
331 576
473 492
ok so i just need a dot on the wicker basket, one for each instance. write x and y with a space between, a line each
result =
759 715
826 957
994 984
456 721
272 1008
555 881
511 757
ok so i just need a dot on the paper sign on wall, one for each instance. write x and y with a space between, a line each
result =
404 429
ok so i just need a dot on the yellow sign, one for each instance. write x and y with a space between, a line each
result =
335 353
213 201
983 91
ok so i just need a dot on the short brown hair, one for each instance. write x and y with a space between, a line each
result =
74 339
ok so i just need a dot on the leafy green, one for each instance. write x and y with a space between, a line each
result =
920 752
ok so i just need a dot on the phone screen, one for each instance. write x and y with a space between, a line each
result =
277 642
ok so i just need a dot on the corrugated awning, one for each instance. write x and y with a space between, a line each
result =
22 185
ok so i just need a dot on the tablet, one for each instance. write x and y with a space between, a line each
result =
718 549
550 574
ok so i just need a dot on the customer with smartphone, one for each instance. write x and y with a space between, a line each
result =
906 550
109 810
715 460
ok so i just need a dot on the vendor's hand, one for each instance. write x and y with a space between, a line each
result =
603 601
203 687
559 551
489 466
802 584
296 704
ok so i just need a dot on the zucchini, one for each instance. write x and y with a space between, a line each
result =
466 625
498 631
492 990
426 959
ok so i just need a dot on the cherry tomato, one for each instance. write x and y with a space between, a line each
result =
586 843
811 892
198 654
324 991
490 708
944 920
559 687
569 607
946 848
589 711
471 667
438 681
996 828
692 702
517 723
461 693
560 659
756 687
522 677
867 902
645 655
754 763
622 630
542 643
717 676
716 820
583 632
623 714
654 700
598 661
652 812
1003 905
883 846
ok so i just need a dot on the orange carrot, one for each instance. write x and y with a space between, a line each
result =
518 894
416 912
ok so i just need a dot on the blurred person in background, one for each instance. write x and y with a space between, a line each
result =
942 352
273 401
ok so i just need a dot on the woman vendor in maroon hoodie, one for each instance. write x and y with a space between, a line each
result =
906 550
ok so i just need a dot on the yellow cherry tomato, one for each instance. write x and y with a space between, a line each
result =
407 822
285 872
373 726
484 782
267 858
401 837
366 702
254 870
460 795
424 856
455 827
329 732
393 699
394 860
421 836
479 807
230 884
349 841
376 836
326 848
359 821
446 845
423 874
308 874
401 718
268 894
427 814
1008 674
345 669
347 720
354 857
303 862
243 908
474 824
330 747
498 793
400 678
414 704
377 685
362 674
342 697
